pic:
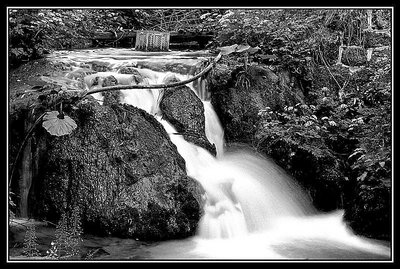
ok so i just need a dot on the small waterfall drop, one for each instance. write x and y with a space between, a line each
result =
253 209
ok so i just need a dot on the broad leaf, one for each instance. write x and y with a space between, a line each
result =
58 126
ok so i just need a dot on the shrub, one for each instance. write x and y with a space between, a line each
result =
68 237
30 242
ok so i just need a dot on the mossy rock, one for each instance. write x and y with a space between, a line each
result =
309 161
129 70
238 98
120 167
185 111
100 66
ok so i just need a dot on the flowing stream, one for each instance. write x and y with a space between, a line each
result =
253 209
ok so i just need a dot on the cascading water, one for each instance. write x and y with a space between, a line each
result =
252 208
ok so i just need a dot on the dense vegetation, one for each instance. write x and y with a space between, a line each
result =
328 121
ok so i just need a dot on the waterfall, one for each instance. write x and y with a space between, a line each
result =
245 192
252 207
249 200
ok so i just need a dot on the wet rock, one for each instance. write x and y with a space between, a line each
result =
309 161
354 56
170 79
99 66
111 97
137 77
120 167
166 66
185 111
178 68
129 70
109 81
239 97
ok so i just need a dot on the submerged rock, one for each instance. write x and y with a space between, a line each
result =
120 167
136 76
99 66
185 111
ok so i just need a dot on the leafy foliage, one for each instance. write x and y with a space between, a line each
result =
288 37
346 114
30 242
24 37
68 237
35 32
350 22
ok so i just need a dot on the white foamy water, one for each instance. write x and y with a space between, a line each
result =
253 209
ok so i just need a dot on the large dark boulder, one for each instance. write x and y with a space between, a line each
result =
185 111
307 157
239 95
119 167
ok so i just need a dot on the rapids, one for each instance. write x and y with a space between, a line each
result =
252 208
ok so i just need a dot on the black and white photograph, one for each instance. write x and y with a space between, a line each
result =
199 134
